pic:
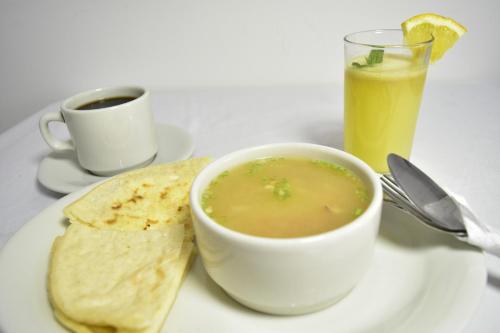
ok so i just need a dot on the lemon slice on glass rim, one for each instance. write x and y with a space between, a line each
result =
445 30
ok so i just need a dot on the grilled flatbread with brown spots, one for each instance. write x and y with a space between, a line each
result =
144 199
118 267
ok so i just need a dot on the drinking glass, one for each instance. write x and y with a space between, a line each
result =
384 79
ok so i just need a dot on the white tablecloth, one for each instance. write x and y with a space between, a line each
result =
456 143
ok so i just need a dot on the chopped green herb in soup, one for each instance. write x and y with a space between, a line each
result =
285 197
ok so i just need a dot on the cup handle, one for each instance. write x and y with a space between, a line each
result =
51 140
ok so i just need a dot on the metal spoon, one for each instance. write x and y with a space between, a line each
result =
427 197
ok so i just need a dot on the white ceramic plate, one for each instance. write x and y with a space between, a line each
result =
420 281
60 171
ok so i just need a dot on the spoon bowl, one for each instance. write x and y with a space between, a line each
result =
439 210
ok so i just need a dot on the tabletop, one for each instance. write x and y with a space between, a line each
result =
456 143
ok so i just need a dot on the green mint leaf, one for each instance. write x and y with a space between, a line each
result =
375 57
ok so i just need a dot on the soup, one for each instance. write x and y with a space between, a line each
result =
285 197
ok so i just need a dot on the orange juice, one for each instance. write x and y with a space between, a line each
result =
381 104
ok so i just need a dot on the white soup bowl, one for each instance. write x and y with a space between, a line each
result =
287 276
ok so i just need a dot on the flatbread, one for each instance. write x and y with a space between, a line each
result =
104 281
144 199
79 327
120 263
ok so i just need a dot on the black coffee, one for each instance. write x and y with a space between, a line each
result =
105 103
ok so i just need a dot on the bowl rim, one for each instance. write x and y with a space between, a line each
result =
252 240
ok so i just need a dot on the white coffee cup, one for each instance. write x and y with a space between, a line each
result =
287 276
107 140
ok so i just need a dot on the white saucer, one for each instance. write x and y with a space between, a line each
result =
60 171
419 281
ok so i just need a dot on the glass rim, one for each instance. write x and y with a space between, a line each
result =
383 46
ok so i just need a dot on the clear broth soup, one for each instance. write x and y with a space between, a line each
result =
285 197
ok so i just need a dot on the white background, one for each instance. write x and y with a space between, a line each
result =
54 48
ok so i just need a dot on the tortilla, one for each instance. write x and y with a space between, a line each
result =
121 261
144 199
116 281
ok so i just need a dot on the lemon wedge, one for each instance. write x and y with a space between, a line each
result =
445 30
